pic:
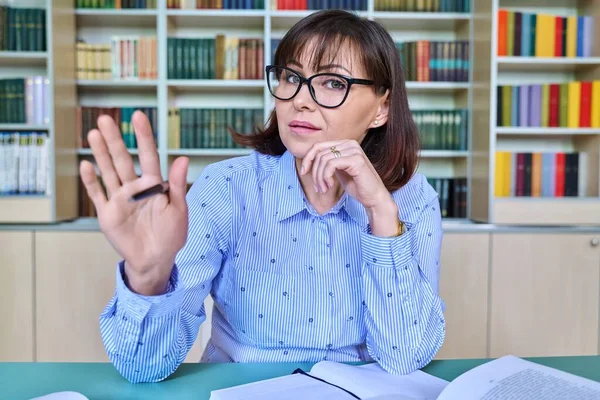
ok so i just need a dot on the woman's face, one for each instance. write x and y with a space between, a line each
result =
302 122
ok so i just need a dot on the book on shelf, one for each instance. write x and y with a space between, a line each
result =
216 4
116 4
88 116
24 100
452 193
24 163
132 57
435 61
541 174
22 29
508 377
545 35
573 104
207 128
442 129
221 57
454 6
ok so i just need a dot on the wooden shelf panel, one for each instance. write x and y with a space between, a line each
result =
23 127
116 18
541 131
209 152
23 58
547 211
247 19
116 85
25 209
551 64
444 154
436 87
421 21
216 84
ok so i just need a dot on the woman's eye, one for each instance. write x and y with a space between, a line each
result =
291 78
335 84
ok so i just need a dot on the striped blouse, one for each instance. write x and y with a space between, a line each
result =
288 284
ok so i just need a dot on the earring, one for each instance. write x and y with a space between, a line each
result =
376 122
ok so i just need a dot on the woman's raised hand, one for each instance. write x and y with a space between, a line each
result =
147 233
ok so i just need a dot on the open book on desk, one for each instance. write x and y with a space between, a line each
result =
508 377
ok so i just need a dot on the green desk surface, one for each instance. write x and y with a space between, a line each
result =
195 381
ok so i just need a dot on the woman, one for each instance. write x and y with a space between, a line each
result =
322 244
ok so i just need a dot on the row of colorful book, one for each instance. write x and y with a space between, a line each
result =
545 35
356 5
116 4
23 163
435 61
216 4
87 118
22 29
222 57
442 129
24 100
574 104
540 174
122 58
207 128
452 194
458 6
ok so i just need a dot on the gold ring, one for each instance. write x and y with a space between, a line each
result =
335 152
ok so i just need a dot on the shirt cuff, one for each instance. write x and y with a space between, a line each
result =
139 306
387 251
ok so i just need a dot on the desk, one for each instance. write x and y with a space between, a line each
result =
195 381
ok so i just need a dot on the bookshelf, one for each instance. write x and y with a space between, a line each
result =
511 181
169 91
39 58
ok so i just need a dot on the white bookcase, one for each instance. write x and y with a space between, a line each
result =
98 25
57 64
492 70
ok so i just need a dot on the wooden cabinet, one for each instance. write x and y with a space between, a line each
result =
16 291
544 294
75 279
464 289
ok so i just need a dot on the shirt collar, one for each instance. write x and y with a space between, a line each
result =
291 198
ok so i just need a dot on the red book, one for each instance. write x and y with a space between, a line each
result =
558 37
559 187
554 104
586 104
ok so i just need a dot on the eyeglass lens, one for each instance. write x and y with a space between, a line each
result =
328 90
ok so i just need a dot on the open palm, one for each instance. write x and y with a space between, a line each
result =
147 233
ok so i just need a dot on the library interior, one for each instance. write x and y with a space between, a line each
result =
505 95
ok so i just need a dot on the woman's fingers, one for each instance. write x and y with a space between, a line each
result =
104 161
178 183
120 155
147 153
92 185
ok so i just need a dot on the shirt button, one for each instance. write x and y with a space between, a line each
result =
329 346
331 294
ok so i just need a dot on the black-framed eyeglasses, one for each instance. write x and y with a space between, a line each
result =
327 89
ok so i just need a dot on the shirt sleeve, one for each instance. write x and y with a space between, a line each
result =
148 337
403 311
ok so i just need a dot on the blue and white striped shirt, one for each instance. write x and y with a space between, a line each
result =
288 284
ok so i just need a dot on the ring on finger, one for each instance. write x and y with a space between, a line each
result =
335 152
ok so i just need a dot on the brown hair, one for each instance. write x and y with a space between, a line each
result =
391 148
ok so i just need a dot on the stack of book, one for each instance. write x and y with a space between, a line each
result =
24 100
435 61
22 29
207 128
23 163
122 58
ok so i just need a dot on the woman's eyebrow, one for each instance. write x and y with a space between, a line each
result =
321 67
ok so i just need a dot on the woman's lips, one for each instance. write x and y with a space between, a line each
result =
302 127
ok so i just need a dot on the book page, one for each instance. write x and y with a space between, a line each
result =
513 378
290 387
370 380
